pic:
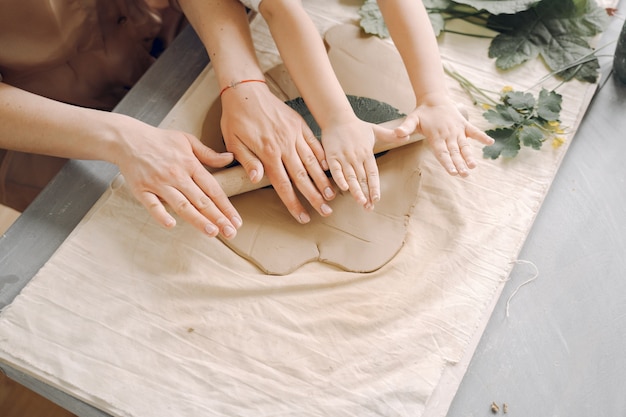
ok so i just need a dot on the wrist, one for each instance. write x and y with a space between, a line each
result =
110 143
338 119
437 98
237 83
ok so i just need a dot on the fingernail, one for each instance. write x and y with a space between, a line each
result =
329 193
210 229
375 198
229 231
170 222
325 208
253 174
324 165
304 218
236 221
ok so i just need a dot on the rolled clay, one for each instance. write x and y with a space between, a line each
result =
351 238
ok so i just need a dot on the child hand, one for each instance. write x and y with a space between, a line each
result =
448 132
349 153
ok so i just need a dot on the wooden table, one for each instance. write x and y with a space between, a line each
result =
560 350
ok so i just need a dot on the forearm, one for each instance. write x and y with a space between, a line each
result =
415 39
223 27
158 165
35 124
305 57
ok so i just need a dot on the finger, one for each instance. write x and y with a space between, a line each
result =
357 182
285 191
466 153
276 173
301 178
248 160
373 182
383 134
473 132
315 145
457 158
281 181
156 209
287 174
336 171
187 203
211 188
408 126
316 173
443 155
208 156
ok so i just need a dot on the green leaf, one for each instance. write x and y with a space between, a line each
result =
585 18
554 29
519 100
372 19
531 136
506 144
437 22
503 116
365 108
499 6
572 49
549 105
511 51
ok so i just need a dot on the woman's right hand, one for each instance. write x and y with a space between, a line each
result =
267 136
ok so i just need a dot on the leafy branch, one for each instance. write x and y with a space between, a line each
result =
558 31
519 118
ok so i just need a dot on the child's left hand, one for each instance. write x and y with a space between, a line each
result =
448 132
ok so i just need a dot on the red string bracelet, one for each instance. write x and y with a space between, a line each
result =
236 83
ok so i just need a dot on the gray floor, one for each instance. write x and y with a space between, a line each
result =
560 352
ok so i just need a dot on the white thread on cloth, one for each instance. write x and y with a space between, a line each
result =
534 277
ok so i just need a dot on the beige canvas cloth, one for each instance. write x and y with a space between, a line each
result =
142 321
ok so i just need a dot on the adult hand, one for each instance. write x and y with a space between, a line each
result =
268 137
448 133
167 166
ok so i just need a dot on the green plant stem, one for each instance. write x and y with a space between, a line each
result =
475 17
469 87
473 35
579 62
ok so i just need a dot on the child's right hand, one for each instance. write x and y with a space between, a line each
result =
349 149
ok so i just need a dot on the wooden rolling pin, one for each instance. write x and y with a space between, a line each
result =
235 181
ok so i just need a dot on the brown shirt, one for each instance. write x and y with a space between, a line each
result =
82 52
